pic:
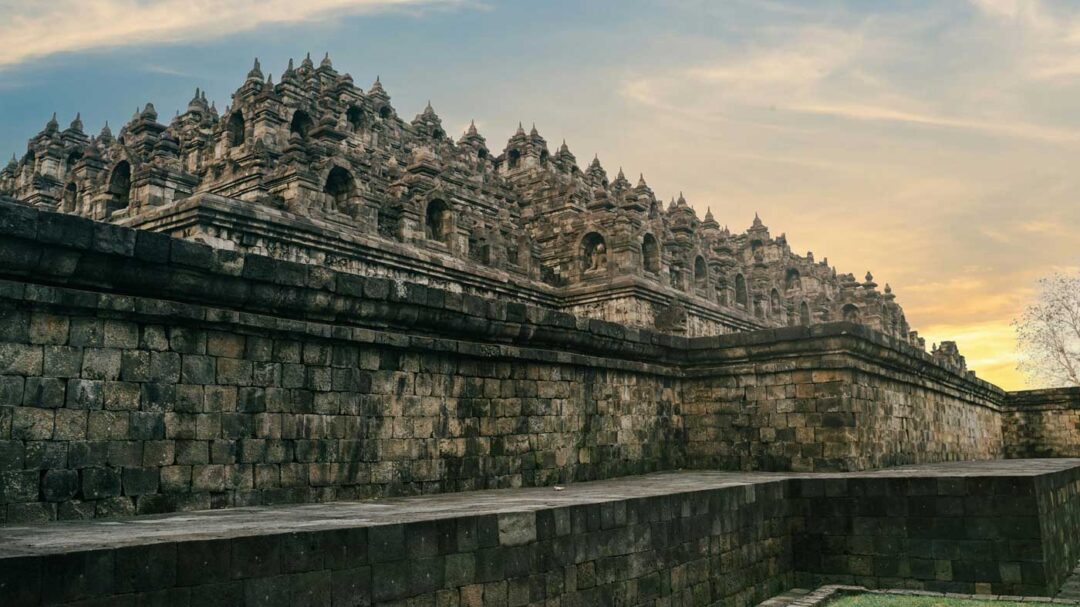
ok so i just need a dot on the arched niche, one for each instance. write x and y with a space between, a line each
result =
355 117
301 124
236 128
593 252
804 314
851 313
340 186
722 296
742 296
792 279
650 253
438 221
701 273
71 198
120 185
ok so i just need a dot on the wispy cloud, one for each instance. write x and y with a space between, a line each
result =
37 29
888 114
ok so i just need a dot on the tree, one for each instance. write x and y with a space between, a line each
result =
1048 333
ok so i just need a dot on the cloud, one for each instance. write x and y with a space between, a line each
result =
1047 36
1017 129
37 29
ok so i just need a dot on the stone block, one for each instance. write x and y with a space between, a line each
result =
101 363
86 333
175 479
157 397
121 396
18 486
140 481
146 425
85 394
135 366
43 455
164 367
48 329
59 485
256 556
20 359
268 591
99 483
121 334
45 392
11 455
31 423
146 567
11 392
77 575
517 529
87 454
351 587
386 543
198 369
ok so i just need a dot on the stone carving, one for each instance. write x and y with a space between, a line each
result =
313 149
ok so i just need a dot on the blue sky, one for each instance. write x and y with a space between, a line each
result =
932 142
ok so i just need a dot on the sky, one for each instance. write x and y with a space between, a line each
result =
935 143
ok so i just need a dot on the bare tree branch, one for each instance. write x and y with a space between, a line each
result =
1048 333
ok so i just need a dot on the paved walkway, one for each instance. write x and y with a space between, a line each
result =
1071 588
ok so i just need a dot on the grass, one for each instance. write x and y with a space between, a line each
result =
885 600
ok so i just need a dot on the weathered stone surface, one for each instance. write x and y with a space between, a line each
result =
527 223
690 538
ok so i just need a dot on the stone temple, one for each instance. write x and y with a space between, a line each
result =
304 352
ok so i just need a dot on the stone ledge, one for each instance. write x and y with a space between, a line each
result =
584 543
58 249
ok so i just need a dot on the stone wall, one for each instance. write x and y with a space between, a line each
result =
141 373
985 533
1043 423
832 397
722 546
1058 505
687 538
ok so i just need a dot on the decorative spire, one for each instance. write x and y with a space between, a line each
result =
307 63
326 61
149 113
256 71
709 215
52 125
106 133
534 132
77 125
520 130
869 285
377 87
564 148
757 225
472 128
682 200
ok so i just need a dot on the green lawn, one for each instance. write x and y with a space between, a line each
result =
879 600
